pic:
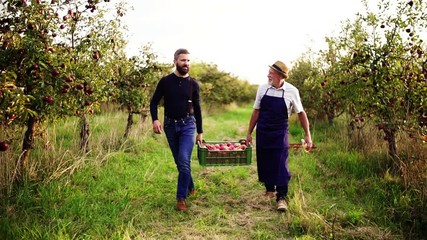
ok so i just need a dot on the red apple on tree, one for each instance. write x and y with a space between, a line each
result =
64 89
31 26
11 116
5 44
48 99
89 91
55 72
68 79
323 83
3 146
95 55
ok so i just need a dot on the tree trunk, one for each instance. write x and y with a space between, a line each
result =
27 144
84 134
331 117
129 124
144 115
392 149
329 111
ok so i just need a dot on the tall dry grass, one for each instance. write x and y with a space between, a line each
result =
56 150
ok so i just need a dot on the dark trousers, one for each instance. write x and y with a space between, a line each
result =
282 191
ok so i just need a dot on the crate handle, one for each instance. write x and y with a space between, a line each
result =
201 143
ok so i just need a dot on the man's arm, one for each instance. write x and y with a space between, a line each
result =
252 124
154 102
306 126
197 107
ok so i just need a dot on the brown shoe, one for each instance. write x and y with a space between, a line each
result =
270 194
180 205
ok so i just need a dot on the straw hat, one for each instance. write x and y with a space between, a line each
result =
281 68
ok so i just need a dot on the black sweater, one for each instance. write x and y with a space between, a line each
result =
175 92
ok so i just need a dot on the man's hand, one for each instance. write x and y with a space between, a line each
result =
157 127
307 143
199 138
249 139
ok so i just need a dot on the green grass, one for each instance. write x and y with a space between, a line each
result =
126 190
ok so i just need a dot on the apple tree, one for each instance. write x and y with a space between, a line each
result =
50 61
386 66
135 84
332 97
305 74
98 57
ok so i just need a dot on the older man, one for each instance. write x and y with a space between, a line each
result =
274 103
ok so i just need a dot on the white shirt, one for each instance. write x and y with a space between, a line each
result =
291 96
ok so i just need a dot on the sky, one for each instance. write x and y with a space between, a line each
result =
241 37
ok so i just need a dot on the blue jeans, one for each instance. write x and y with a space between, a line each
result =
181 138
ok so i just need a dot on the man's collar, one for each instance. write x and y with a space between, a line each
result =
282 85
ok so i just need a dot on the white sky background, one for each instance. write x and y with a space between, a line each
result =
241 37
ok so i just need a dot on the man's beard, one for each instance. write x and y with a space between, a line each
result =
181 70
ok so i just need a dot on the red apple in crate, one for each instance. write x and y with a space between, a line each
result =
211 147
